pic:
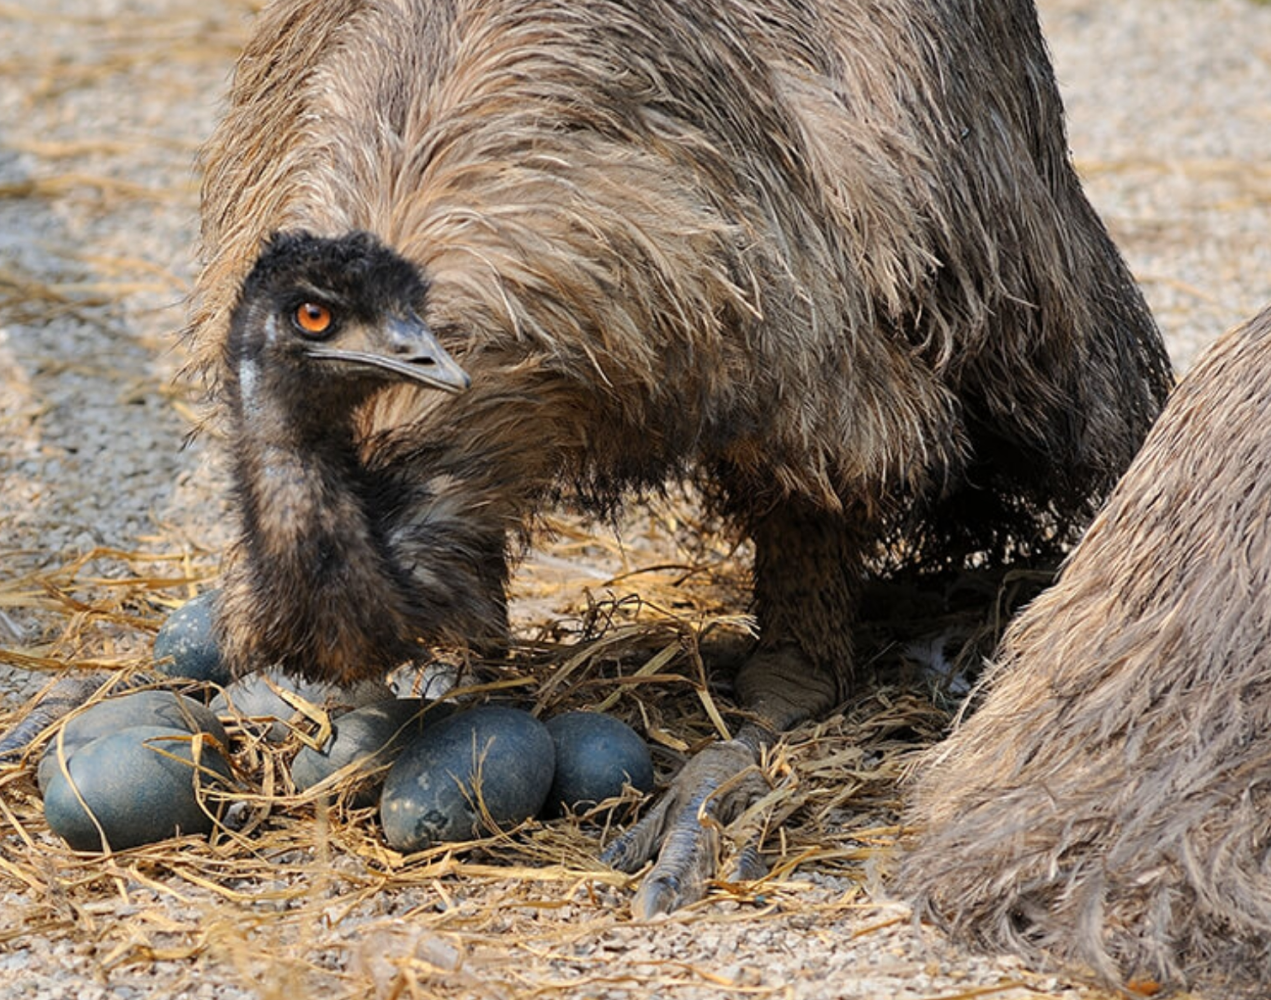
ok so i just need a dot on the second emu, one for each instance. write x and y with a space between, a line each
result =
1109 804
829 259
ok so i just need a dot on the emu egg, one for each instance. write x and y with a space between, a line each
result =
139 708
595 755
372 736
137 792
186 644
502 755
253 697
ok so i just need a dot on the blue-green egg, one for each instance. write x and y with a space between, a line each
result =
137 708
186 643
596 755
371 737
256 696
139 785
501 754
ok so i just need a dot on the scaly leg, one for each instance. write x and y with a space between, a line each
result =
807 570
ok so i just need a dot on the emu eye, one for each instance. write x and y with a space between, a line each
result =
313 318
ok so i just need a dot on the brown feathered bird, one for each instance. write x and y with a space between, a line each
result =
1109 804
830 258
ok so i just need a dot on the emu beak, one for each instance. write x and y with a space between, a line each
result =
402 347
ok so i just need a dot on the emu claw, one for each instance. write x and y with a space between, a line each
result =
712 790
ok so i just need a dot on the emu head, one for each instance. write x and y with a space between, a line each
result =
325 321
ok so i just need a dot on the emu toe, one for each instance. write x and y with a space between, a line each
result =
683 829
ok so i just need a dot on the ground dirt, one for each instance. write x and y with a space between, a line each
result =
109 518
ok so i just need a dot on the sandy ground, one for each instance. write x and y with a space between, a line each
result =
102 106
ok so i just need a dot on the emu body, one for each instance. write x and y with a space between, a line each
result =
830 259
1109 804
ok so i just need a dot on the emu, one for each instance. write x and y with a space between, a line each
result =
1108 805
828 259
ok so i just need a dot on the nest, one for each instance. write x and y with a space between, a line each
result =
296 889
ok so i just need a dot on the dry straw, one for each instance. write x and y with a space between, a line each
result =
301 888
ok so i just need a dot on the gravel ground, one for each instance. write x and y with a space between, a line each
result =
102 105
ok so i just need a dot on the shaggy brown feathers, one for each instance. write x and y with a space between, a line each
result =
1109 804
831 251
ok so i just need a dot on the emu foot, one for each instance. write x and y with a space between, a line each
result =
63 698
710 792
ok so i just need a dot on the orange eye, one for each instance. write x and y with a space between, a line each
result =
313 317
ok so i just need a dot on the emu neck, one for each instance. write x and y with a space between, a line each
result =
317 591
299 467
343 568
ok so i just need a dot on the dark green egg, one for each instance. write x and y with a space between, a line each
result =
137 792
596 755
186 643
373 737
430 794
254 697
137 708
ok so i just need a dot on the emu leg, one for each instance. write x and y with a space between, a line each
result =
63 698
807 565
